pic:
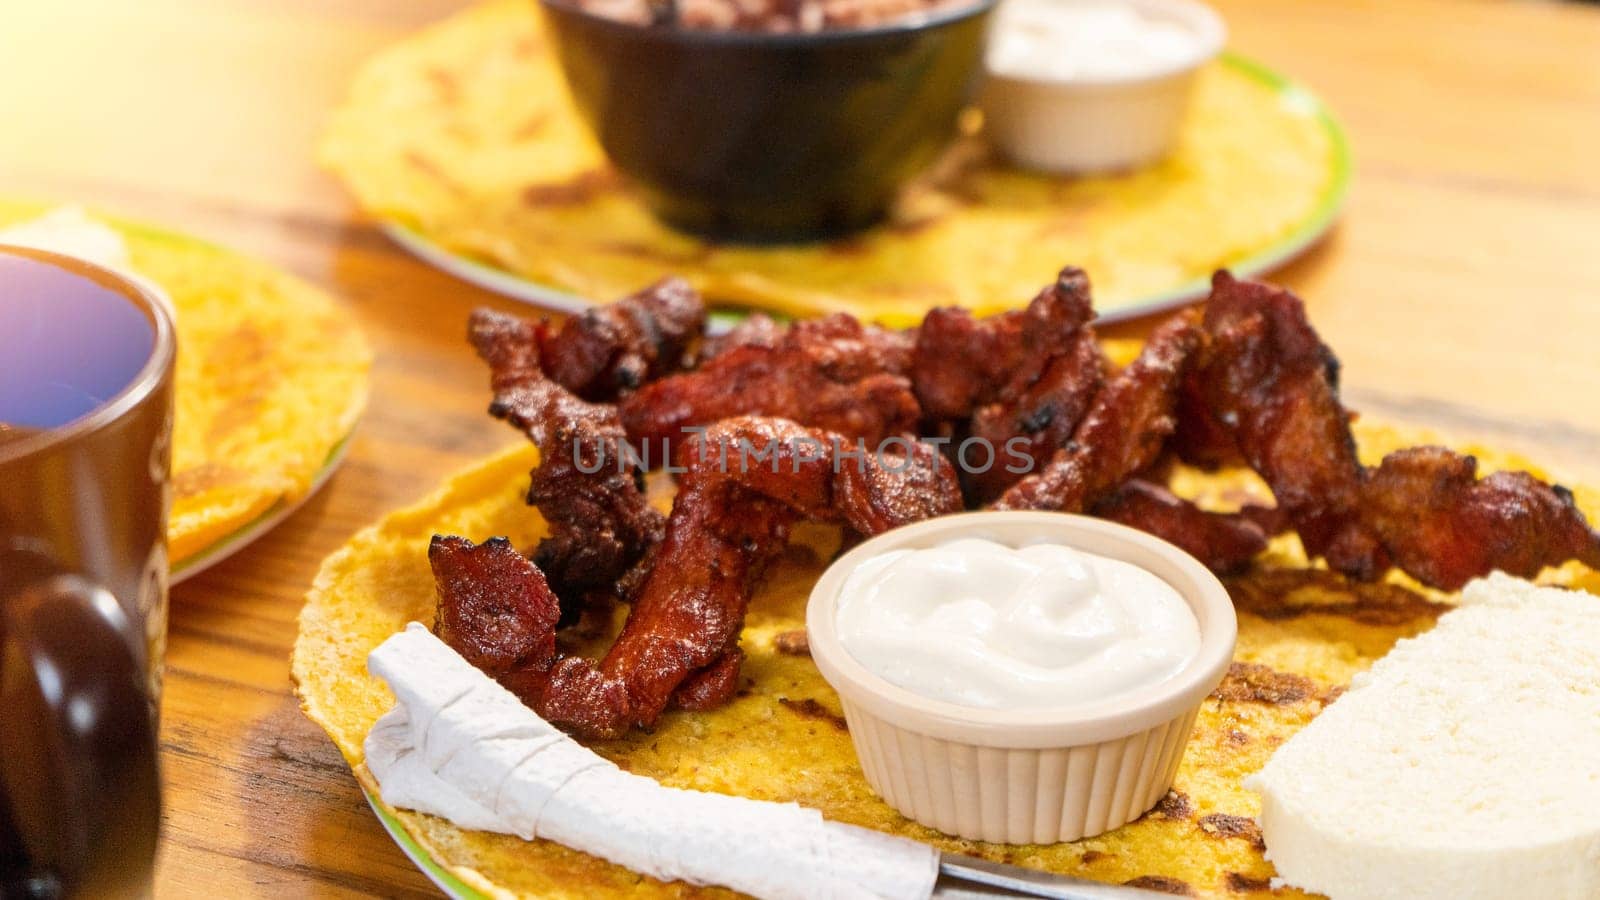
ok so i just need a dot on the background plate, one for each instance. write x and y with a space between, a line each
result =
198 562
1296 241
452 886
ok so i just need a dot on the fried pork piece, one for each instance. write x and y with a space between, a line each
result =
833 373
587 490
1018 382
685 621
712 686
501 614
729 521
1445 526
1225 543
754 330
963 363
1272 386
1201 440
1272 383
611 350
1027 428
1123 432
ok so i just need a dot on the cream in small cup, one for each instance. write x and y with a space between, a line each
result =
1079 86
1023 770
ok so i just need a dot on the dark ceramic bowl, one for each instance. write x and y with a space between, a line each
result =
770 137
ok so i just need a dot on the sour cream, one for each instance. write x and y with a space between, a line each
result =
980 624
1087 40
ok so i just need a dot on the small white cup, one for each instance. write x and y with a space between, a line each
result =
1032 776
1099 123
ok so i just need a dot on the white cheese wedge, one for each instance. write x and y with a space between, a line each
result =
459 746
1465 764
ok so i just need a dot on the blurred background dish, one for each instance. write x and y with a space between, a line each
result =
271 374
465 137
770 136
770 16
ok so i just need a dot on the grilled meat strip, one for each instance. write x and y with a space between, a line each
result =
1445 526
1224 542
1123 432
585 486
610 351
1269 380
729 521
832 373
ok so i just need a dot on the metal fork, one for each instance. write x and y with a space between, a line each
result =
969 878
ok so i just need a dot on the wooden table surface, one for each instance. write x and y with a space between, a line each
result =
1463 285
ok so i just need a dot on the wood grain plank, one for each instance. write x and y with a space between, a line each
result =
1462 288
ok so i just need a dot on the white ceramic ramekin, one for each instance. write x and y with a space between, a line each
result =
1036 775
1099 124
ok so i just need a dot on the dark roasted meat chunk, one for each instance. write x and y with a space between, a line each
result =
963 363
1123 432
1028 428
612 350
495 608
729 521
832 373
1272 383
754 330
1445 526
1224 542
600 521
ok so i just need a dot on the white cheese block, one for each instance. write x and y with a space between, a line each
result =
1464 764
459 746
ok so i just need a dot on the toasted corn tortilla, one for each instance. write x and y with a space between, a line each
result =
465 134
783 738
271 377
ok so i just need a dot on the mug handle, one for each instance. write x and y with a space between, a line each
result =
80 789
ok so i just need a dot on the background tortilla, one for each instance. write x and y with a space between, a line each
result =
782 738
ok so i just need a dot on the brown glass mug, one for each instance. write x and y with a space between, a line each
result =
86 363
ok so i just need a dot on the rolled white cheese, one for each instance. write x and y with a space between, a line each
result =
1465 764
459 746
